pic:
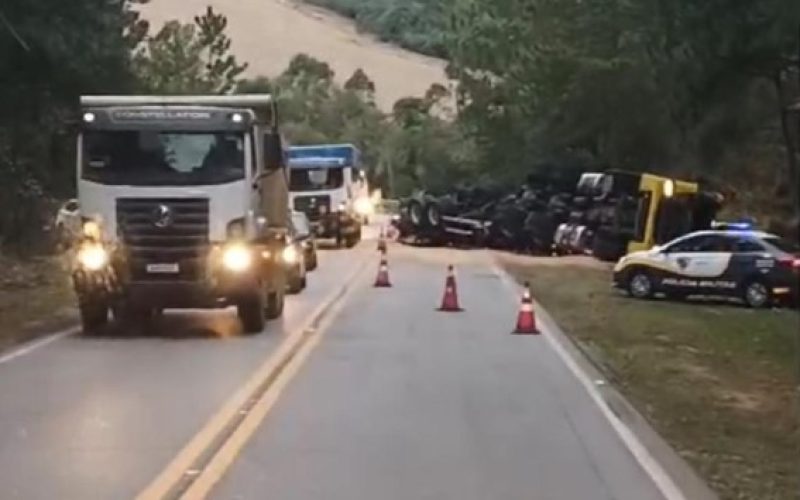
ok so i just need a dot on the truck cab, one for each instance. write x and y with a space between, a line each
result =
328 184
183 202
649 210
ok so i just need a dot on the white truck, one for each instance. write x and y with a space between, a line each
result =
184 203
328 184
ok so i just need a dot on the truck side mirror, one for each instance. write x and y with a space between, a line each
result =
273 151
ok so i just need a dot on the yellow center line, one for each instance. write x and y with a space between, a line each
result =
291 348
228 453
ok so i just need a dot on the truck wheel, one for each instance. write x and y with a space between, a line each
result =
94 316
312 262
274 309
415 213
296 284
251 313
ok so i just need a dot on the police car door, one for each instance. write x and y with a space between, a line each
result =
698 262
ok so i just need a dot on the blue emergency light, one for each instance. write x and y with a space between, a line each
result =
746 225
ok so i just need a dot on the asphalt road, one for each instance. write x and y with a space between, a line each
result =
400 401
98 418
393 400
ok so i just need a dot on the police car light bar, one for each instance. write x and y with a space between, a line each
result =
741 226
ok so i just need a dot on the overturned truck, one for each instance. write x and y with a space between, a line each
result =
606 214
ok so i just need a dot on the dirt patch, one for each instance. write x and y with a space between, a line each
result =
268 33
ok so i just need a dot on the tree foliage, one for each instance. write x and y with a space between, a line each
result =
50 52
189 58
689 86
402 151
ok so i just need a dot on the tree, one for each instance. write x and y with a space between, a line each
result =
672 86
189 58
360 83
306 70
68 48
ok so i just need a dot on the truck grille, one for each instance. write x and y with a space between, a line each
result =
164 231
311 205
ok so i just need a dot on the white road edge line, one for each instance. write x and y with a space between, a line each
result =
34 345
651 466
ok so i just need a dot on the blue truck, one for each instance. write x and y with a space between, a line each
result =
328 184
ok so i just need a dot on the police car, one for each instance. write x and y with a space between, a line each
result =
730 260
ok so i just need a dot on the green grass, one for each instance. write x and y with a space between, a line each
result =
35 298
716 380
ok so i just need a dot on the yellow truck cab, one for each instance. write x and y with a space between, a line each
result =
642 210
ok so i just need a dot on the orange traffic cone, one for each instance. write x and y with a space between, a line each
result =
526 319
450 298
382 280
382 241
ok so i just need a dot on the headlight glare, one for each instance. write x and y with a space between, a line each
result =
363 206
91 229
236 258
669 188
93 257
290 254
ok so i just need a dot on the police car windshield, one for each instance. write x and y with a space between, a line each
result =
153 158
783 245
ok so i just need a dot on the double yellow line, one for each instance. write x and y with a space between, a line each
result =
210 453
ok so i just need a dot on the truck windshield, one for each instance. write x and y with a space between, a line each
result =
315 179
153 158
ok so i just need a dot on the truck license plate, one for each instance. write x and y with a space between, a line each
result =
163 268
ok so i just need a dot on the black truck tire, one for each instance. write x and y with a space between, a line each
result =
94 316
274 305
433 214
416 214
250 310
607 245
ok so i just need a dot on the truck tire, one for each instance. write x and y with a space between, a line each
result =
274 305
251 313
351 240
607 245
297 284
94 316
433 214
416 214
313 262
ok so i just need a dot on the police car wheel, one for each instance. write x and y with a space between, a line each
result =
756 295
640 285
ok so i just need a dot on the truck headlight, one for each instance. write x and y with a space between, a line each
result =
363 206
237 258
91 229
93 257
290 254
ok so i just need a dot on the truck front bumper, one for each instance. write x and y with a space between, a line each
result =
215 286
191 294
336 224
